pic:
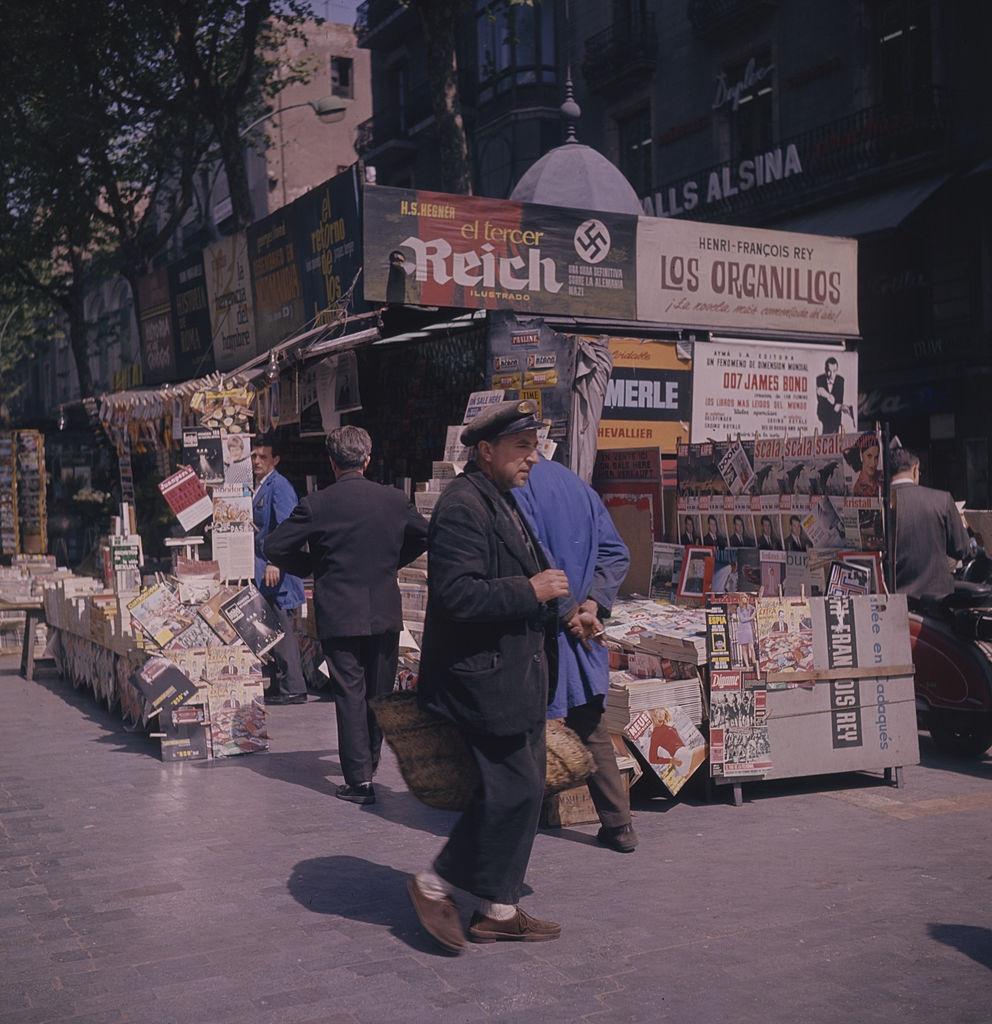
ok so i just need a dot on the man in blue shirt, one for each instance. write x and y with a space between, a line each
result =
579 537
275 498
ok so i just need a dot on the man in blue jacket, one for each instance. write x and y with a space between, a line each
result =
577 533
275 498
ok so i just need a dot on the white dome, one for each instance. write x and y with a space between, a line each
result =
579 177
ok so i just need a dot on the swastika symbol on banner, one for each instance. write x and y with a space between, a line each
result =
592 241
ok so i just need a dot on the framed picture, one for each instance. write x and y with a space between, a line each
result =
696 576
871 560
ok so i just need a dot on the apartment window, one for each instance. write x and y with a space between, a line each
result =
342 80
630 14
744 98
634 140
902 46
515 45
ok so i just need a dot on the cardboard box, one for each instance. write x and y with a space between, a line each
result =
575 807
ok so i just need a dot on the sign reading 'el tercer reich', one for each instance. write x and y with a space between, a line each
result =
430 249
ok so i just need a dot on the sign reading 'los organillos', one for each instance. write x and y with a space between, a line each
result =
426 248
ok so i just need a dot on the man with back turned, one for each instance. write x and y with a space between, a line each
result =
489 650
358 534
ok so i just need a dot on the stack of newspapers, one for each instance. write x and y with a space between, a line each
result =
628 695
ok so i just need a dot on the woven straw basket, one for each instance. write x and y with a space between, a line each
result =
436 765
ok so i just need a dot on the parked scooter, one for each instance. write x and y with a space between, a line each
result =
952 653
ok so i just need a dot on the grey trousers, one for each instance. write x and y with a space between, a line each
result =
286 668
606 786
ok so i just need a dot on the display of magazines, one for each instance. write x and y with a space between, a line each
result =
9 528
31 510
670 743
782 494
233 532
739 745
160 614
186 496
253 619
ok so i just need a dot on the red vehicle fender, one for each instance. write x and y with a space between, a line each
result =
951 673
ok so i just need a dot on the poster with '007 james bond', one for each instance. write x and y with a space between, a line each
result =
766 389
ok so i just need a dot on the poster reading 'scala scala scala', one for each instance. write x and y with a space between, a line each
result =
715 276
772 390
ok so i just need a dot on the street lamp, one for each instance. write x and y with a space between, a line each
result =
330 109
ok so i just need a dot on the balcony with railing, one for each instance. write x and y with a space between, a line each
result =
622 55
396 126
374 17
716 17
831 159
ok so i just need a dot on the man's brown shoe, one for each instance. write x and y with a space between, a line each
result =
519 928
439 918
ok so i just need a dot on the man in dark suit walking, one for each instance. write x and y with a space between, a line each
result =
359 534
489 651
928 531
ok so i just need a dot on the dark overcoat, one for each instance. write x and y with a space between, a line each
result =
489 646
359 534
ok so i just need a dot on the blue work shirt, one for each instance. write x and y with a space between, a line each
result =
579 537
274 500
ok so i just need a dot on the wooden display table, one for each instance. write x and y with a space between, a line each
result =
34 612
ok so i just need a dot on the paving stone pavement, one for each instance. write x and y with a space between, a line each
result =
133 891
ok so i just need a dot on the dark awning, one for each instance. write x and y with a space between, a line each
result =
866 215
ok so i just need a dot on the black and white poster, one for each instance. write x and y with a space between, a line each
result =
767 389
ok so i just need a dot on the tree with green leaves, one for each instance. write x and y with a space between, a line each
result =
108 108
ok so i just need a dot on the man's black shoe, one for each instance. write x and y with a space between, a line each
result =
275 698
622 839
295 698
363 793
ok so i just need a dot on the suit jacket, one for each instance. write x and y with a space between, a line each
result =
928 531
490 648
272 502
825 412
359 534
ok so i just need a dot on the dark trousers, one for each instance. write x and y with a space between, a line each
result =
606 786
489 847
286 669
361 667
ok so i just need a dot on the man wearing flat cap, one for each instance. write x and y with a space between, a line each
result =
489 651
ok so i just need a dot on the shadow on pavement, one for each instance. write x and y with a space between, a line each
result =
931 757
968 939
401 807
84 701
307 768
360 890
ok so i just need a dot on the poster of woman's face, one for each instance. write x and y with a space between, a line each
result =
237 459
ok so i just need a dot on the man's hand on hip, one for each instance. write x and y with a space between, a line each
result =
549 585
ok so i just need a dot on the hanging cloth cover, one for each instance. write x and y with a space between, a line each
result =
593 366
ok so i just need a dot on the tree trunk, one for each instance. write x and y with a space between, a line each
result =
79 341
439 19
232 152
